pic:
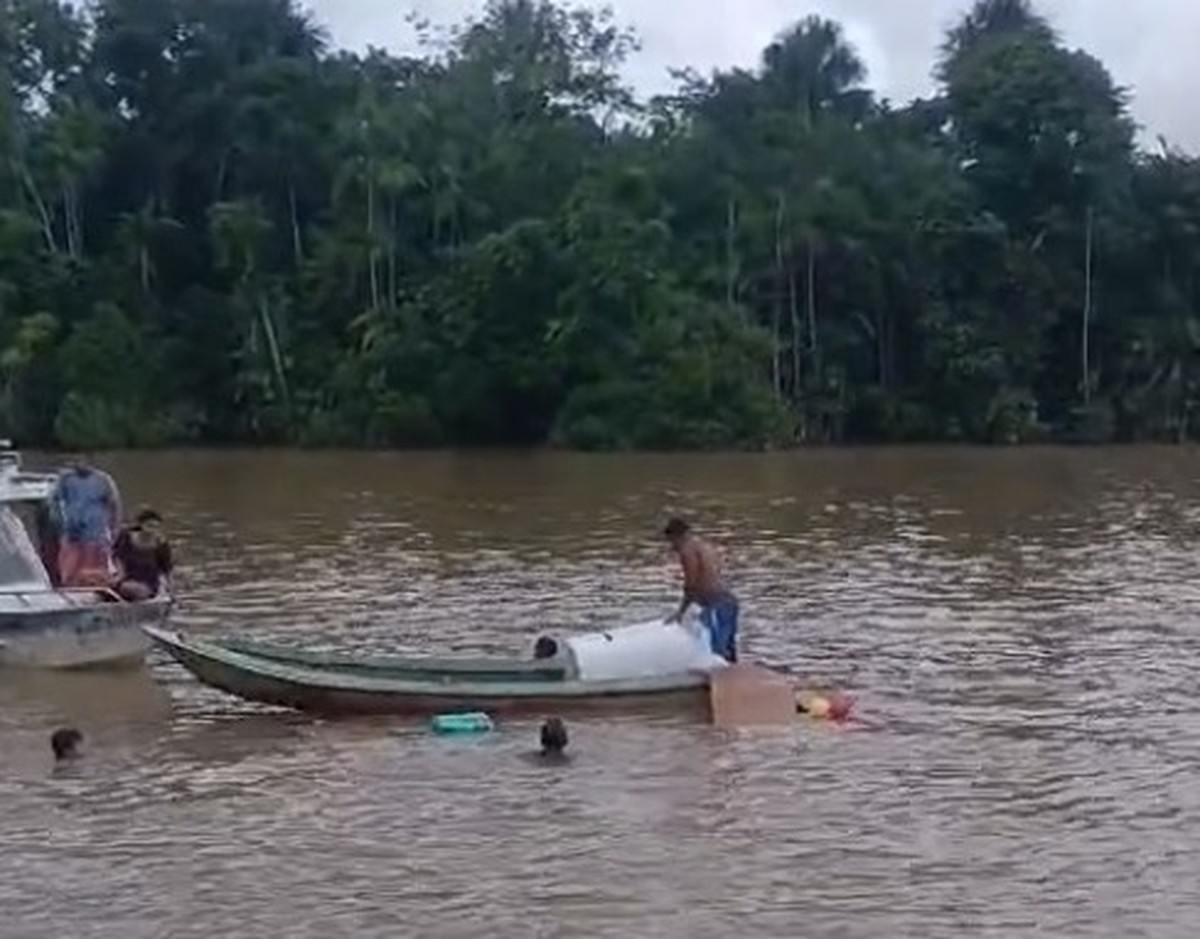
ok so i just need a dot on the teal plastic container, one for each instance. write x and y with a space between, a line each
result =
471 722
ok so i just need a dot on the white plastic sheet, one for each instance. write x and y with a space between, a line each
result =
644 650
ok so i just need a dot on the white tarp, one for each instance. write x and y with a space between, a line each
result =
644 650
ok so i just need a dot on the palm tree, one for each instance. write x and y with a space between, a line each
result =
238 231
986 21
812 69
138 232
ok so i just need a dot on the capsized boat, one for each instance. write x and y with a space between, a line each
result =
47 626
644 664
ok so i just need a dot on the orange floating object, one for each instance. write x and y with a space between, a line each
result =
825 707
840 707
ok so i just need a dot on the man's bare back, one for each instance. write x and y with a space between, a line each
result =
702 570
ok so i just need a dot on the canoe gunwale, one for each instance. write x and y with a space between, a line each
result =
485 668
333 690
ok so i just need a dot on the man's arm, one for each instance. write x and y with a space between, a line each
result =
166 558
58 504
166 565
114 504
120 550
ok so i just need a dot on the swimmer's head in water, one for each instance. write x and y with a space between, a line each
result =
545 648
554 735
65 743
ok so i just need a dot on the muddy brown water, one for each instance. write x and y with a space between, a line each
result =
1019 627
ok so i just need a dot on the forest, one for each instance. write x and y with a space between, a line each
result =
218 229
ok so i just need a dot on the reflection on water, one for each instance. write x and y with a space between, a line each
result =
1017 627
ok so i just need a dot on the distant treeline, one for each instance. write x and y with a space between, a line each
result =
214 228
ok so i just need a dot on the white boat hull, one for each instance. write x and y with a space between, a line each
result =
94 635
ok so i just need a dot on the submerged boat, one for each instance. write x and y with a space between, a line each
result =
47 626
646 664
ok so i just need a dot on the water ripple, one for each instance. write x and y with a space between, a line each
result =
1017 627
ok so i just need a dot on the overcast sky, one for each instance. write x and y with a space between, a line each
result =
1148 45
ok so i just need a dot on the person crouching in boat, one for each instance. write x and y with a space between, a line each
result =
703 583
143 555
545 648
88 506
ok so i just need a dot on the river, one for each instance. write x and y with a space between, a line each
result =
1017 626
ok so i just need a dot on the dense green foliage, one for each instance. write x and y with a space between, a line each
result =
213 228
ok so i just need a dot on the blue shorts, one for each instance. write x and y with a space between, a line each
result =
721 619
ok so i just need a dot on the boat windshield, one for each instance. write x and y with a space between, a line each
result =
20 566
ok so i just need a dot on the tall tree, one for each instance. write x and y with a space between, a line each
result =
493 240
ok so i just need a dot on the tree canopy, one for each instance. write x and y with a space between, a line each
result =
216 228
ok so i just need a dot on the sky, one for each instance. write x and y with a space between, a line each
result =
1149 46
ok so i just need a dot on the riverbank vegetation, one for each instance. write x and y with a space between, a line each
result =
216 228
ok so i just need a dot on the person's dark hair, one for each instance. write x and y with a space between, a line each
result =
676 528
545 648
554 735
64 741
147 514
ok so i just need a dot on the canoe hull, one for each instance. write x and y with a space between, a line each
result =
340 693
96 635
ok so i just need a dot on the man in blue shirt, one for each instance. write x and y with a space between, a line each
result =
88 506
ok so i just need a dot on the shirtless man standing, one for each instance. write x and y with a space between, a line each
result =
703 584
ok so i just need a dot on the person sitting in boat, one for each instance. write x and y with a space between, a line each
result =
88 506
545 648
144 557
704 584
